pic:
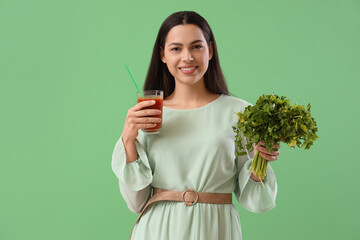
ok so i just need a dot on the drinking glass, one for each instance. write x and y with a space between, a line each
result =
156 95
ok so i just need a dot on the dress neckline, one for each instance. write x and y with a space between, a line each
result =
192 109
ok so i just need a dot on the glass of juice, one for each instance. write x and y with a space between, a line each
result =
156 95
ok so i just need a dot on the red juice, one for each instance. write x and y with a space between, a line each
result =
158 105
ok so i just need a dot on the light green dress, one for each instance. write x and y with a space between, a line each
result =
194 149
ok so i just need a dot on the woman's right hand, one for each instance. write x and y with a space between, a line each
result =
139 118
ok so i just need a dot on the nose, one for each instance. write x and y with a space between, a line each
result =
187 56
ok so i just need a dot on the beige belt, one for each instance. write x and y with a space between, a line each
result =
189 197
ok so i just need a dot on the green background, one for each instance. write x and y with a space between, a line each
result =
64 95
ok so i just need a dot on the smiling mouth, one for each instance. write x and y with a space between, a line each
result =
188 69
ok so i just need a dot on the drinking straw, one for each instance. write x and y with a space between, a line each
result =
133 79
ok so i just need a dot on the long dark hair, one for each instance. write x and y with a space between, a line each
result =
158 76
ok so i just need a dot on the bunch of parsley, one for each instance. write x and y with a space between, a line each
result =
272 120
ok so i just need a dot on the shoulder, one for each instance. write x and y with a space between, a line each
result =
228 106
237 104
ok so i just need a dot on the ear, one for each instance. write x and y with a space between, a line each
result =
162 55
211 50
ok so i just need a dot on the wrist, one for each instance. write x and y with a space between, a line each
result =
126 140
130 149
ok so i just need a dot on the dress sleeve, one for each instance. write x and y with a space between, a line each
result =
251 194
135 177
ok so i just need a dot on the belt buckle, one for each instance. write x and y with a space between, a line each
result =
191 203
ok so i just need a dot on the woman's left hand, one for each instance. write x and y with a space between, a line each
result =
264 153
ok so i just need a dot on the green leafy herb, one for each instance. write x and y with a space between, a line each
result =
272 120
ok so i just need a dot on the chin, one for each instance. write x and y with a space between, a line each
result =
188 82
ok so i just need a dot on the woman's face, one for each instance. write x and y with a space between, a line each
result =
186 53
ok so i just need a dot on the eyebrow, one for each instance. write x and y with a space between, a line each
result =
179 44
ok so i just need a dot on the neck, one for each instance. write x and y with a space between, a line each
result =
189 95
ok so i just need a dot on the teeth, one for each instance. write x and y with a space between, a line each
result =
188 69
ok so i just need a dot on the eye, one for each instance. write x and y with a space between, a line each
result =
198 46
175 49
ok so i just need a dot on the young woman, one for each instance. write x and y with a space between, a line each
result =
183 178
